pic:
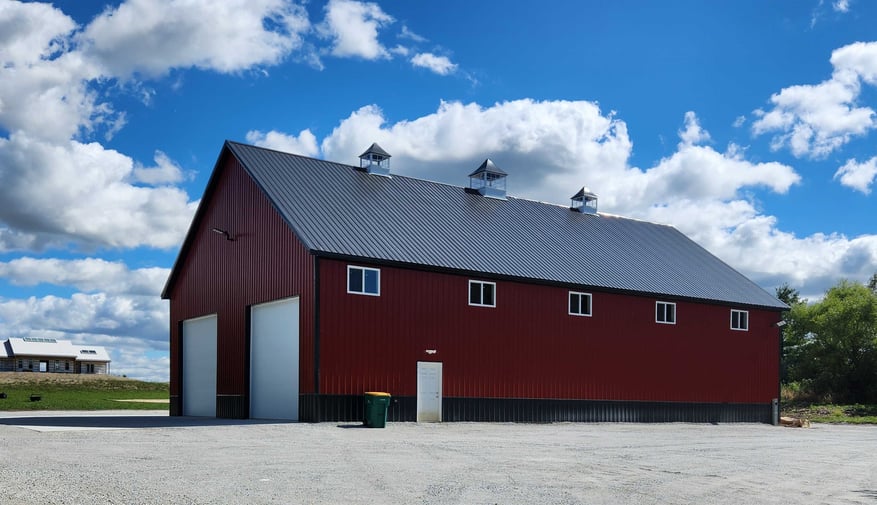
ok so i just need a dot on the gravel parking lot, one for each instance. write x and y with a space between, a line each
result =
131 458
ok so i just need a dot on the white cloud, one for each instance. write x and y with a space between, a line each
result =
441 65
57 193
858 176
693 133
400 50
406 33
89 275
551 149
815 120
30 32
304 144
353 28
141 317
153 37
842 6
165 171
39 73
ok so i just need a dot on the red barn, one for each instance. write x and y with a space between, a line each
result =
303 283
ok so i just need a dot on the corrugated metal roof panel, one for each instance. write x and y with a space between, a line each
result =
335 208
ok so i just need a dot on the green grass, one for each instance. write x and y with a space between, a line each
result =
848 414
78 392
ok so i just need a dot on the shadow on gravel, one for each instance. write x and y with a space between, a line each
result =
127 421
357 425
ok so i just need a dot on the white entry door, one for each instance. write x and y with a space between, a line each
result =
199 367
274 360
429 392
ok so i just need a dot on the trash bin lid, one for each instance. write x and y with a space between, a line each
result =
376 393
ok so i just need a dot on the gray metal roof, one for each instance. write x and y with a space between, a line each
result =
376 149
338 209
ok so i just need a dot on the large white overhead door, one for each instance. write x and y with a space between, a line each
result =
199 367
274 360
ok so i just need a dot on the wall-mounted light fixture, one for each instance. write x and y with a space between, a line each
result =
780 324
223 232
431 351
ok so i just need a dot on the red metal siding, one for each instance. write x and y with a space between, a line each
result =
529 347
265 262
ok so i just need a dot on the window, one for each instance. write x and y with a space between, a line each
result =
740 320
579 304
67 365
665 312
482 294
363 281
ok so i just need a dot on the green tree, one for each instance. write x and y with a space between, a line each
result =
835 343
792 338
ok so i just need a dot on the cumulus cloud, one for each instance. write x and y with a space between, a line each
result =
31 32
815 120
692 133
165 171
842 6
153 37
39 72
304 144
441 65
79 193
353 29
88 274
858 176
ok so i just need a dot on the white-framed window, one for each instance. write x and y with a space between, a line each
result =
579 304
740 320
482 294
665 312
363 280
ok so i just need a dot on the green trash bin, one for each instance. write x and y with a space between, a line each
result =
376 405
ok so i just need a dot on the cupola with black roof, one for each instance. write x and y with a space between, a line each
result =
375 160
584 201
489 180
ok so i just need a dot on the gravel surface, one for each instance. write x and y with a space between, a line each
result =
136 458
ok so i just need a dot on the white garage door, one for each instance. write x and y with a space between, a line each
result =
274 360
199 367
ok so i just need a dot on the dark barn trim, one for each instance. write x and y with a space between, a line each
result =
349 408
232 406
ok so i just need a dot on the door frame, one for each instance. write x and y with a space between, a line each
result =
438 366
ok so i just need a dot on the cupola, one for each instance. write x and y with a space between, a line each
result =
584 201
375 161
489 180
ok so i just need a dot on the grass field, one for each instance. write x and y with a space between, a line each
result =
79 392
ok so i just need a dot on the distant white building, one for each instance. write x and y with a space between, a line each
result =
48 355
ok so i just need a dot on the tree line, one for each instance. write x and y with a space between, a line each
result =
829 348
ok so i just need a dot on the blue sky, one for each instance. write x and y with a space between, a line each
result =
748 125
